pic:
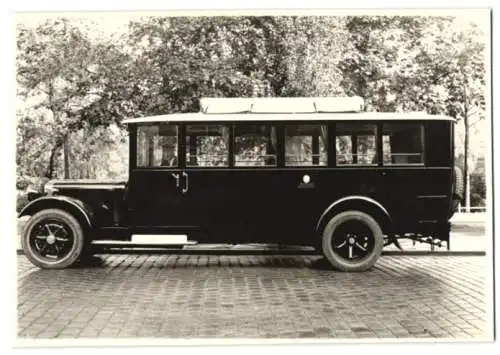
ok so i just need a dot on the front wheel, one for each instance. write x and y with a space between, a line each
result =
53 239
352 241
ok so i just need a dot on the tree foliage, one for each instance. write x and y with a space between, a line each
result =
71 82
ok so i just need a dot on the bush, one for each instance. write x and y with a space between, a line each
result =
477 189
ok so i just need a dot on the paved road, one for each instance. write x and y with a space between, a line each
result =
271 296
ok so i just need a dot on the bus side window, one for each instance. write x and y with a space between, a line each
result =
255 145
403 143
356 144
207 146
306 145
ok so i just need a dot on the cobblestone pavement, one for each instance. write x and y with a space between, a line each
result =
249 296
24 267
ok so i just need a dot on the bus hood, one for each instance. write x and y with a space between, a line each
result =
82 184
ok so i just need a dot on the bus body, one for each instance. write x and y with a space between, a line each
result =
299 171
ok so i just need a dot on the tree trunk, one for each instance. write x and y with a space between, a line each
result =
66 157
466 151
50 169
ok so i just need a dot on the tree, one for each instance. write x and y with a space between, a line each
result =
454 58
73 82
188 58
380 64
99 153
301 55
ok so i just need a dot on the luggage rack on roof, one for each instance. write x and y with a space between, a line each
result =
290 105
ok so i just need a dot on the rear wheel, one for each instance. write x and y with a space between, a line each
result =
352 241
53 239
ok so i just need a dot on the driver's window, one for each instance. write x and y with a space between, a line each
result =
157 145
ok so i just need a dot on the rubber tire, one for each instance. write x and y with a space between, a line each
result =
337 261
72 223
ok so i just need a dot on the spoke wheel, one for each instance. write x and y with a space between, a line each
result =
352 241
52 239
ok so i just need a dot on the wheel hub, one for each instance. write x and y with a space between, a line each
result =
51 239
353 241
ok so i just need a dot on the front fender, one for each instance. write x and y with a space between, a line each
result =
79 209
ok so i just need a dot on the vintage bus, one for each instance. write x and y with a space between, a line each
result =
317 172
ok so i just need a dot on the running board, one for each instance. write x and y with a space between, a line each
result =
149 240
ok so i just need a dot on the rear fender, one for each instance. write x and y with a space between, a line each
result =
81 211
359 203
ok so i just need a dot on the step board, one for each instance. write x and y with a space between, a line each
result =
150 239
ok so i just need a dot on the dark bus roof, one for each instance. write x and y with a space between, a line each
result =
285 109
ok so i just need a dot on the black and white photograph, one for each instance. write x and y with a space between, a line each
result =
204 177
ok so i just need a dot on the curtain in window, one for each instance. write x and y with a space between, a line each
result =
324 135
269 159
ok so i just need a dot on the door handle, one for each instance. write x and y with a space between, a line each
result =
176 177
186 186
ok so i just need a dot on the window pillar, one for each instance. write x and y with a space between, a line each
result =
354 141
315 149
193 150
181 145
280 138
